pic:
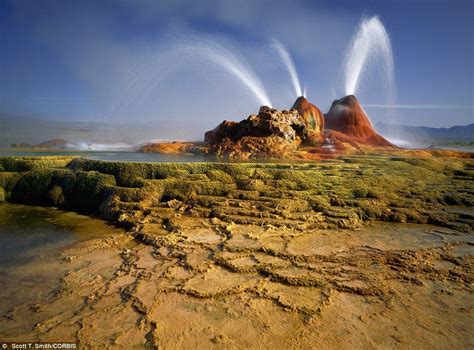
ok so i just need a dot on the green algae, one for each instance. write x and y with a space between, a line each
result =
344 191
19 164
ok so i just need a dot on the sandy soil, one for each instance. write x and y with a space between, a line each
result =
211 285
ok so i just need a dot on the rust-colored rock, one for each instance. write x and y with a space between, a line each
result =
346 116
251 147
278 134
312 115
175 147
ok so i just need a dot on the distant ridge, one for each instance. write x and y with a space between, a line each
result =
424 135
19 129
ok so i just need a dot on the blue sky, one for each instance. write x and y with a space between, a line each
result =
123 61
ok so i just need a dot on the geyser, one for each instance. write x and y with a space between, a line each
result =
287 60
370 44
229 62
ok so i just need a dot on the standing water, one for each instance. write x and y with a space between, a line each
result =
32 241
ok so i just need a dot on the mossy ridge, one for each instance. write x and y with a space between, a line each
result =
8 180
59 187
32 187
367 188
19 164
167 170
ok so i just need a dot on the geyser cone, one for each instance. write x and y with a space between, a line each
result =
311 114
347 116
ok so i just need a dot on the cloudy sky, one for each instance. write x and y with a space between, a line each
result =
137 61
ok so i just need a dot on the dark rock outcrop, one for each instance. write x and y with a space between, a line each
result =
271 133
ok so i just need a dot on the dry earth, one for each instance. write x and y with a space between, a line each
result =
256 288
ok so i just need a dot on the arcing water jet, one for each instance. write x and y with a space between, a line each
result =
229 62
286 58
371 43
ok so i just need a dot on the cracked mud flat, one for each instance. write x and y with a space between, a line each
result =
386 285
354 253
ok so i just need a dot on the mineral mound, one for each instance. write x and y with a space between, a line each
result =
346 128
347 116
270 133
313 118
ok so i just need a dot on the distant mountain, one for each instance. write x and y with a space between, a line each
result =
18 129
422 136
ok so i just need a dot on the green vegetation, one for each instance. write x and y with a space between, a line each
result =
33 186
19 164
57 186
89 188
334 193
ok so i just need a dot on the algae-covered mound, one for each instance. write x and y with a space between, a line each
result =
339 193
19 164
49 181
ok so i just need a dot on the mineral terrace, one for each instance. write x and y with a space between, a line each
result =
370 251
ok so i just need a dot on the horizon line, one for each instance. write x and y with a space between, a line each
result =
467 107
63 98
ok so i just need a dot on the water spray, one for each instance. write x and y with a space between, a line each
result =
370 41
286 58
229 62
